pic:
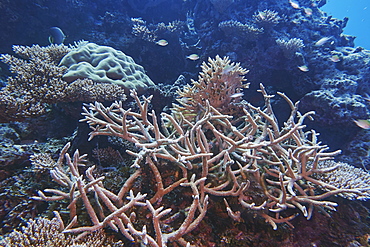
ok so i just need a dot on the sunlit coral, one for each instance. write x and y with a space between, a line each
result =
220 83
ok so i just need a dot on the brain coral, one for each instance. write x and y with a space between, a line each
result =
106 65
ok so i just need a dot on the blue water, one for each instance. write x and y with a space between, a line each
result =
358 12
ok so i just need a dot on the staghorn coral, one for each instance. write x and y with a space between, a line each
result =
38 83
290 47
247 161
140 30
123 211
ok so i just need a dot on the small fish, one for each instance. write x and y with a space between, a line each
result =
303 68
227 69
362 123
56 36
322 41
294 4
335 58
237 95
193 57
262 15
367 97
308 11
162 42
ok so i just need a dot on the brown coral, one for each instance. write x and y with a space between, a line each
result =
221 83
45 232
37 83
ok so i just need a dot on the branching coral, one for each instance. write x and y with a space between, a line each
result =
151 32
248 160
38 82
267 18
290 47
44 232
247 31
220 84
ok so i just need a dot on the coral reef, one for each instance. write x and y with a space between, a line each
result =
248 161
152 32
247 31
38 83
290 47
264 162
267 18
220 84
44 232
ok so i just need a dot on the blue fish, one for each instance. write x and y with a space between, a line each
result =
56 36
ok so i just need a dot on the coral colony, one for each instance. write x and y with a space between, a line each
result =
201 151
150 164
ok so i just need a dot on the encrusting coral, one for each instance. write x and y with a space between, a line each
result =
249 161
38 83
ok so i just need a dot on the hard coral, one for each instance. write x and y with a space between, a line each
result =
250 162
45 232
38 83
103 64
220 83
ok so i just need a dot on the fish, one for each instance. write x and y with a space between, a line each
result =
308 11
362 123
294 4
162 42
262 15
322 41
56 36
303 68
237 95
227 69
367 97
335 58
193 57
